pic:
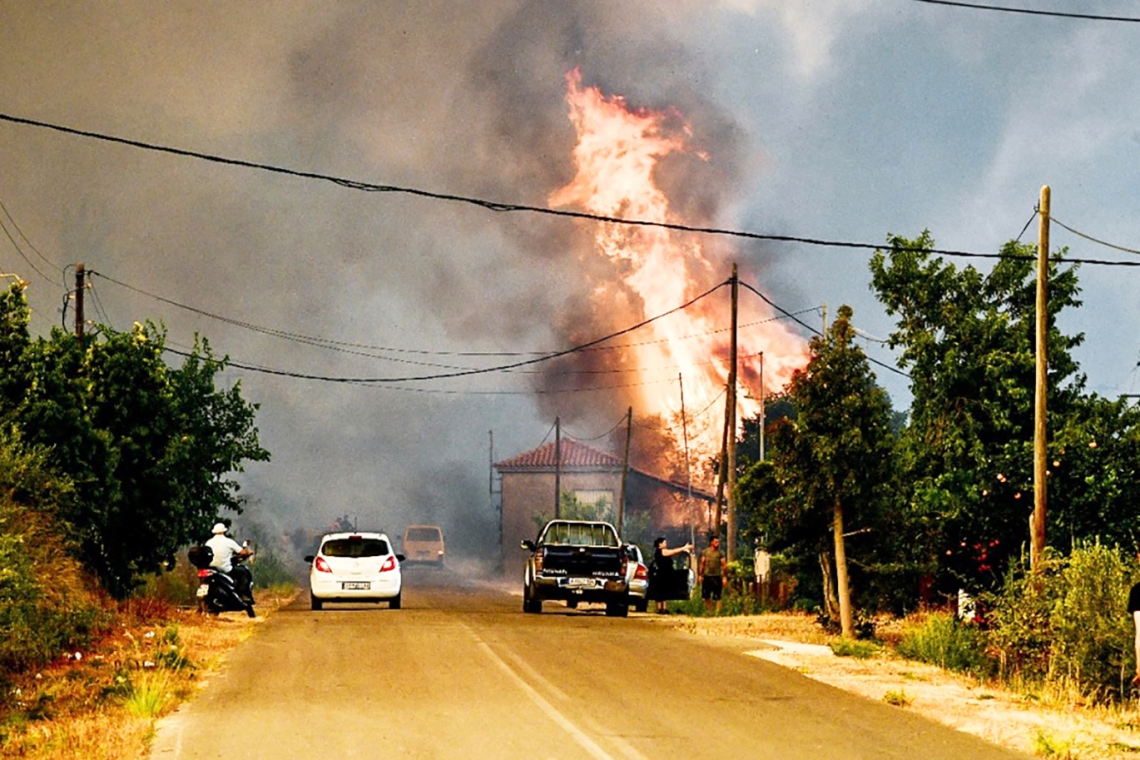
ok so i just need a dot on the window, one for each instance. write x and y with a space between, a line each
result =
355 547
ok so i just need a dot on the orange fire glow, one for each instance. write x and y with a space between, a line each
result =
617 157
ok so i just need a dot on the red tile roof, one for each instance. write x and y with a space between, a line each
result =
580 457
574 455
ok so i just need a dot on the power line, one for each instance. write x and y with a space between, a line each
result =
349 348
469 372
1058 14
1091 238
511 207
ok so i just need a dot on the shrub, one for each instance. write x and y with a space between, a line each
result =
47 605
942 640
1066 625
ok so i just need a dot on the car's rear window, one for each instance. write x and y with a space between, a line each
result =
423 534
580 534
355 547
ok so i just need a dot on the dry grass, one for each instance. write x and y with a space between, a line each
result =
104 702
787 625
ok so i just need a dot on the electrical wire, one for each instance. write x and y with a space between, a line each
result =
508 207
1058 14
481 371
1090 238
1036 211
23 255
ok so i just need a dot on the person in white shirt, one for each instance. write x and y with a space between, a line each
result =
224 549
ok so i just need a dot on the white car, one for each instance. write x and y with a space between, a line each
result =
355 567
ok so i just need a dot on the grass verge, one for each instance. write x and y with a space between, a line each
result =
102 703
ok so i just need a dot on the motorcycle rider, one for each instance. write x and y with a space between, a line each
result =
225 548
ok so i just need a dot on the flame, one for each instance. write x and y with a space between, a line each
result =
618 155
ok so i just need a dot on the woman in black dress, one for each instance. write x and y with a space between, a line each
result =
660 569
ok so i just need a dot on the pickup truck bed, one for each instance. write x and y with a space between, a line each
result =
576 561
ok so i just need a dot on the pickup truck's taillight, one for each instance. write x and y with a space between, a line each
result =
538 560
624 565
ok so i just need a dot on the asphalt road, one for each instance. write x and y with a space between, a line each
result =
461 672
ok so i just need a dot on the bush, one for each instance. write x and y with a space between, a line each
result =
1067 625
46 604
942 640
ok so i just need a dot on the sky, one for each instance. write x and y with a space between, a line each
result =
837 120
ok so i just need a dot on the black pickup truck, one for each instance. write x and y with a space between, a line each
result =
577 561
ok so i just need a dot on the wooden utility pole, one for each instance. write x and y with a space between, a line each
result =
557 468
730 425
761 431
624 471
1040 488
688 470
80 274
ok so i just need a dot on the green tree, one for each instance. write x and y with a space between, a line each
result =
148 447
834 464
967 340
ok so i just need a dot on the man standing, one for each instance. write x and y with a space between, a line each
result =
711 571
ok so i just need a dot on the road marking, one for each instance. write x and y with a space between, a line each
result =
551 711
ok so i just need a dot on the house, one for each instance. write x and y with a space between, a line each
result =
593 481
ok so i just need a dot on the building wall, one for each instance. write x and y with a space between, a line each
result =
526 495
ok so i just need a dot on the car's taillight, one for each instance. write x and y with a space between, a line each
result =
389 564
203 573
322 566
642 573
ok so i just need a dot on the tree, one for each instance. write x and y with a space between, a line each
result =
834 463
148 447
967 340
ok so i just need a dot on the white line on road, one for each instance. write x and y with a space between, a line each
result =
551 711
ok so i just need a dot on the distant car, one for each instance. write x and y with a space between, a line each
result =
637 576
355 567
424 543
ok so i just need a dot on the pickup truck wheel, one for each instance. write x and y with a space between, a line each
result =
572 603
531 602
617 609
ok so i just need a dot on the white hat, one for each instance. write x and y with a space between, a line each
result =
220 528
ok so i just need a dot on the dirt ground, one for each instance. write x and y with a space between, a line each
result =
1028 723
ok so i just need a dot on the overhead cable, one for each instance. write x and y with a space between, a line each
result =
1032 12
509 207
1091 238
469 372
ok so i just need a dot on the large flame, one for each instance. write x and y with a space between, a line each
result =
618 153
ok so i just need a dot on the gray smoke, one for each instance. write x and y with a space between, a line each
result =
457 98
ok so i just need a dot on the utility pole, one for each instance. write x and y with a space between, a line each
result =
688 470
557 468
80 273
624 471
730 426
1037 533
761 406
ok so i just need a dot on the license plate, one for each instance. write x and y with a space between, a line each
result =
356 585
581 582
203 590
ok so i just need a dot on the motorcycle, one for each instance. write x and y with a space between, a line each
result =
218 591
